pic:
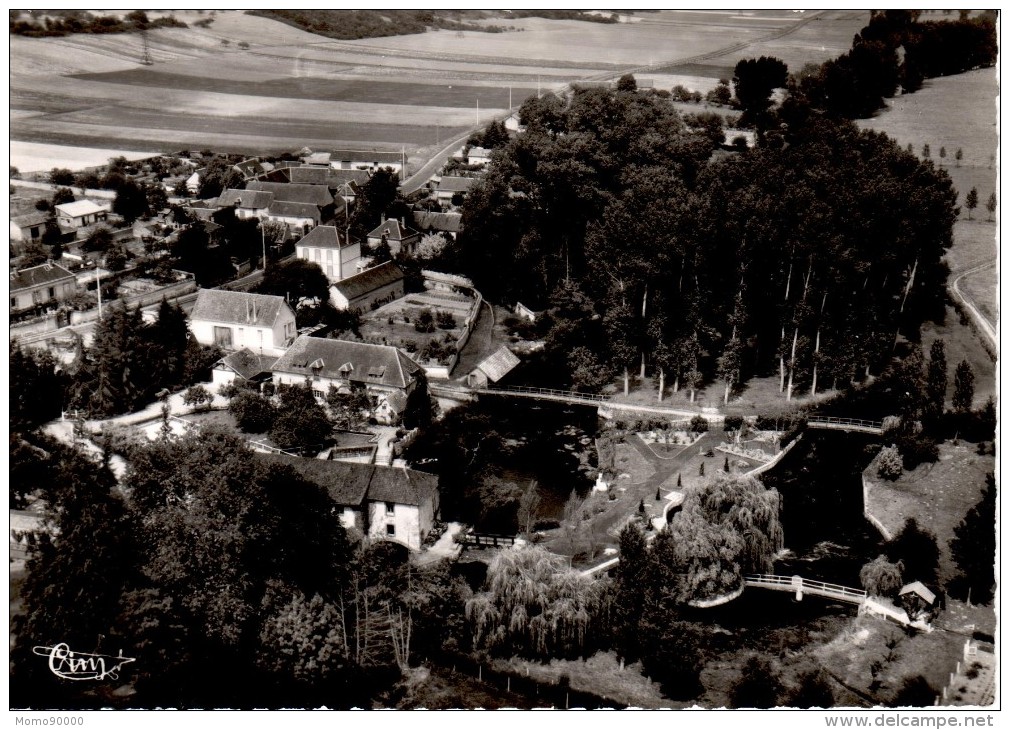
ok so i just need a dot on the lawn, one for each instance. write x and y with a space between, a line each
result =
962 344
980 287
938 495
393 323
849 656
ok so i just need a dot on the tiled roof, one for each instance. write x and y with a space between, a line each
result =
81 207
346 482
349 484
249 168
38 276
359 362
401 485
392 230
325 237
251 198
499 364
237 307
455 184
317 158
314 175
375 156
479 152
284 209
368 280
290 193
28 220
427 221
247 364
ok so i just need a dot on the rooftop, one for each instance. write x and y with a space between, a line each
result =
499 364
79 208
251 199
290 193
236 307
392 230
368 280
37 276
353 361
285 209
455 184
427 221
247 364
366 156
325 237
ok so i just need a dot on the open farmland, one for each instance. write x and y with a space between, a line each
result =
957 112
254 85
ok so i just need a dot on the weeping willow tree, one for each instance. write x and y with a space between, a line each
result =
535 605
725 530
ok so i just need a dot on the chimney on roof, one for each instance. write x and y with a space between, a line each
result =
403 222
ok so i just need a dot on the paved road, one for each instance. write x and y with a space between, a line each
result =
420 178
984 325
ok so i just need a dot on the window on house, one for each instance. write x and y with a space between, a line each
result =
14 302
389 508
222 336
391 530
318 394
241 335
329 254
329 270
52 292
319 255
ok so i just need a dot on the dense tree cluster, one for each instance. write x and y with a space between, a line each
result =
230 580
130 361
68 22
809 259
856 83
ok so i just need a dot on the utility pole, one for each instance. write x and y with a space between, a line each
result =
263 237
98 272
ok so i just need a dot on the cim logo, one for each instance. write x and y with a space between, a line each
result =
78 666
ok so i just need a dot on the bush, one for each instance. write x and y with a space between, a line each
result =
917 449
732 423
699 424
446 320
197 396
889 463
425 321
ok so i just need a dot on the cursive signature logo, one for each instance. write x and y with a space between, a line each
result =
77 666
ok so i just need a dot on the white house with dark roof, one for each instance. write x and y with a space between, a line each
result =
247 203
300 218
370 160
380 502
451 185
261 323
397 234
81 213
379 284
378 369
332 249
478 156
448 224
47 283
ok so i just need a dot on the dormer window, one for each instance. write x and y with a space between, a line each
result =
317 364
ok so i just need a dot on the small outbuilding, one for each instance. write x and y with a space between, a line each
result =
918 601
493 368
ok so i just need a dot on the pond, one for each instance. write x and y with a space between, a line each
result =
827 536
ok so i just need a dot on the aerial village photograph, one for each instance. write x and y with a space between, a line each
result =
457 359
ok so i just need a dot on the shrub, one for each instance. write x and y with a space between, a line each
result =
732 423
889 463
880 577
699 424
446 320
917 449
197 396
425 321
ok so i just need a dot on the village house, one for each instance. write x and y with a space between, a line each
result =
247 203
379 502
81 213
478 156
262 323
36 286
243 367
328 176
370 160
378 369
395 233
29 227
450 186
448 224
300 218
317 195
361 292
335 253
